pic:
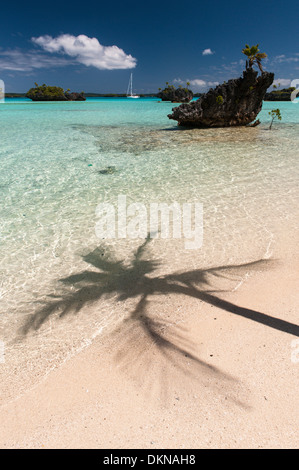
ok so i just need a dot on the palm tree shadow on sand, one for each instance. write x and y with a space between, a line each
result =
137 281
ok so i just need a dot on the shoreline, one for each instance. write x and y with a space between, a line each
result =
215 379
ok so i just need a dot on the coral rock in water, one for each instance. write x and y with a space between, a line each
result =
235 103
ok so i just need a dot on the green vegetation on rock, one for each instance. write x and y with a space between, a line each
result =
176 95
47 93
254 56
52 93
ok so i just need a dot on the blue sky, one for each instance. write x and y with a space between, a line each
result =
69 43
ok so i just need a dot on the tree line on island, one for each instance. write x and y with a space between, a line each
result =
53 93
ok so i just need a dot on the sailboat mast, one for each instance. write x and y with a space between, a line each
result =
129 85
130 88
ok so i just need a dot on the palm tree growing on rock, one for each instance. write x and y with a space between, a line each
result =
254 56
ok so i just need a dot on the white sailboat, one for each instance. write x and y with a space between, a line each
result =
130 93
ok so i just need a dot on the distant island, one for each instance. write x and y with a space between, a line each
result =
279 95
90 95
274 95
53 93
175 95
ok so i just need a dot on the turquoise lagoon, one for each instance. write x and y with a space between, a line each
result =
53 159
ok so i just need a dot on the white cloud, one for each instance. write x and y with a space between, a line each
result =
197 84
284 58
282 82
280 58
87 51
21 61
179 81
202 83
207 52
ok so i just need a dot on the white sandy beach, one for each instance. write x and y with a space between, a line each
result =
215 380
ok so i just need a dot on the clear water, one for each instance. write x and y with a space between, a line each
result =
51 158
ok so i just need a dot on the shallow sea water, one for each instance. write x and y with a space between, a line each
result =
61 285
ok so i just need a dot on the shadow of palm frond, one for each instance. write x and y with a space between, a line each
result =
111 278
142 330
116 278
159 356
